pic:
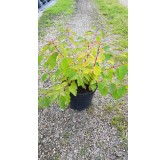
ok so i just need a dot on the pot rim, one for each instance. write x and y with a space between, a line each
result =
86 92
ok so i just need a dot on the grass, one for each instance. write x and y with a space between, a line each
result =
57 156
82 151
117 16
66 135
118 120
62 7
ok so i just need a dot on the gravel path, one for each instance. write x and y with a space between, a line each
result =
85 17
124 2
89 134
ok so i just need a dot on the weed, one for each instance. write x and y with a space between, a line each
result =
118 120
121 43
64 142
66 135
57 157
82 151
90 111
120 123
108 108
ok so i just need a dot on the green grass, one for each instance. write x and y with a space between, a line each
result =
82 151
118 120
66 135
117 16
62 7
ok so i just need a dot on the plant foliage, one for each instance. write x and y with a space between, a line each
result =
69 62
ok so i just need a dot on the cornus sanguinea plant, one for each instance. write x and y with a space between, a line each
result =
70 62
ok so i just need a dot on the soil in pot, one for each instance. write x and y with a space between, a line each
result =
82 100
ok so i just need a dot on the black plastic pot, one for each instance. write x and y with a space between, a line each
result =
81 101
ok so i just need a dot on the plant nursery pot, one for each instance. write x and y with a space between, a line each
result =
81 101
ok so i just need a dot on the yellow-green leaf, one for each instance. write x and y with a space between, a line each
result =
73 88
80 81
97 70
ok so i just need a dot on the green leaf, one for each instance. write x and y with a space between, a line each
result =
65 63
103 88
92 82
51 48
102 84
108 56
117 92
92 87
40 58
40 102
57 73
64 84
112 88
113 91
44 77
106 48
73 77
121 72
115 95
53 97
73 88
61 102
51 62
121 91
70 74
58 87
87 77
109 74
67 96
103 91
46 102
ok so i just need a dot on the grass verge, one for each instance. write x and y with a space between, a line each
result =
118 120
62 7
117 16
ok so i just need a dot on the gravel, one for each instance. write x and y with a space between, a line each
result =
124 2
85 135
77 135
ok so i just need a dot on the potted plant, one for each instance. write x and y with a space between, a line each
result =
76 66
